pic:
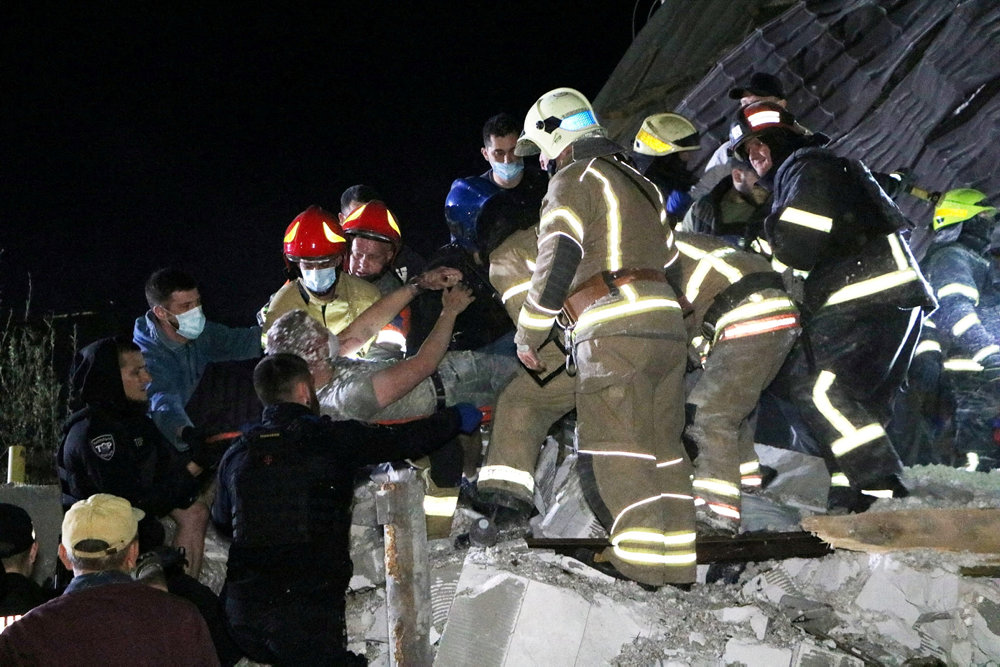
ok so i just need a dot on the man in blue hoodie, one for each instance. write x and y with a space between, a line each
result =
178 344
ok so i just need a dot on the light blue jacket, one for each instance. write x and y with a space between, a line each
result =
177 367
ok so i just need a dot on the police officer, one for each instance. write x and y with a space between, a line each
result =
285 492
833 233
602 246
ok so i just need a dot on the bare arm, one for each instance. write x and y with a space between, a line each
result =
396 381
380 313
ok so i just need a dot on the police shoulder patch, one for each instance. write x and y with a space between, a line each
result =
104 446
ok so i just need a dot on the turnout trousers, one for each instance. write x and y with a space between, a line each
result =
634 470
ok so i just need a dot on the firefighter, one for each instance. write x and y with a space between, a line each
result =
661 151
957 265
742 326
834 236
314 249
602 246
375 244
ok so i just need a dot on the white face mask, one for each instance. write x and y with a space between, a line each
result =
507 171
191 323
318 281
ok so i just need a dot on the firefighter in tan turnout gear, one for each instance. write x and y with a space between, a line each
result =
602 246
742 325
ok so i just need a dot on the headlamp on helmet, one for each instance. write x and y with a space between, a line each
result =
314 234
958 206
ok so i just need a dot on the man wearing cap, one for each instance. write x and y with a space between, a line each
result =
105 617
762 87
834 235
18 552
602 249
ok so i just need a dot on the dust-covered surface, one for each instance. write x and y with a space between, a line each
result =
842 609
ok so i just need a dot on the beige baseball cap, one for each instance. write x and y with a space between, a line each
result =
100 526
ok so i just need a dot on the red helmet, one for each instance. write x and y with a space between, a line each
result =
373 221
314 233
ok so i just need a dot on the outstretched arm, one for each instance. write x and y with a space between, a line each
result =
396 381
380 313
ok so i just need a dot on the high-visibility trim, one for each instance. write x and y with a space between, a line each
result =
898 253
839 479
751 480
749 467
511 292
762 247
728 511
645 501
971 461
962 365
757 310
551 236
671 462
851 437
878 493
965 324
392 337
566 215
864 288
925 346
706 262
542 309
529 321
603 452
498 473
440 505
985 352
959 289
682 543
797 216
929 323
859 437
593 316
653 141
614 229
757 327
716 486
763 117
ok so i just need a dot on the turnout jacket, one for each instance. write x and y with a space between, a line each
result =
832 222
111 446
600 215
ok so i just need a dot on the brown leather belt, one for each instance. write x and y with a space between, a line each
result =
604 284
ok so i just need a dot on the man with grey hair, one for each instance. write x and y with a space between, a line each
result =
104 616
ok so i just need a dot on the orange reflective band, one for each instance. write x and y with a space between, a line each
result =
756 327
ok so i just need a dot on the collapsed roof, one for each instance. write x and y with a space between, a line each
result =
897 83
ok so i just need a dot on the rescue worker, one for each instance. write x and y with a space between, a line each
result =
375 243
742 326
957 265
833 232
314 247
285 493
602 246
661 151
407 262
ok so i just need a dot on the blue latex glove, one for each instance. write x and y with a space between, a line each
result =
471 417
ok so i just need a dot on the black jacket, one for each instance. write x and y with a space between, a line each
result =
110 446
285 492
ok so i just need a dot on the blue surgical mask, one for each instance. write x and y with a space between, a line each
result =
191 323
507 171
318 281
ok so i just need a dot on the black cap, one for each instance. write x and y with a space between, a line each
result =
16 532
761 84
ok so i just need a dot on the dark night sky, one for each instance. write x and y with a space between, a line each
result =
140 136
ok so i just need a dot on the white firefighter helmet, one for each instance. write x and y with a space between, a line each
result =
665 133
556 120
